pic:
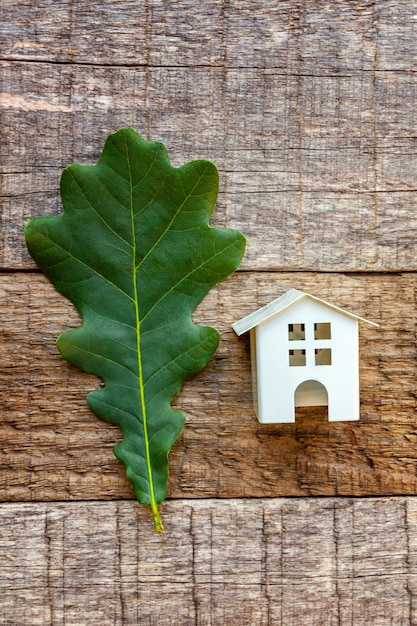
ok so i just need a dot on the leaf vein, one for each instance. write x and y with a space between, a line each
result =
175 360
186 277
74 258
100 217
107 359
174 217
157 519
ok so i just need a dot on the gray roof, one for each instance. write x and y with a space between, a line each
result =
280 304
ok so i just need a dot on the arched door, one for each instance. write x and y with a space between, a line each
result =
311 393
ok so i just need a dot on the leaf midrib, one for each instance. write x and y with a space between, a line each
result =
153 502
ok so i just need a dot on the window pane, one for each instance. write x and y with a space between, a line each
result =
322 330
297 357
296 332
323 356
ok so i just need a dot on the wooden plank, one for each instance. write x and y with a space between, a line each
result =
312 181
52 447
309 37
281 561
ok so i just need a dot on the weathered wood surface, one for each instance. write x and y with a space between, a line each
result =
52 447
307 108
310 562
316 37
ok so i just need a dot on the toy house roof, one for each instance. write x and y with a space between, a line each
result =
279 305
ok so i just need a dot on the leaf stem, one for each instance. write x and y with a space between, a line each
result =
159 527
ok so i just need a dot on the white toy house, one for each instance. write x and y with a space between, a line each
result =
305 352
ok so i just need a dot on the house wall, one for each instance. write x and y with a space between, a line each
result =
278 380
308 110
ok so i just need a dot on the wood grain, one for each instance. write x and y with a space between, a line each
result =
308 110
283 561
312 37
312 127
52 447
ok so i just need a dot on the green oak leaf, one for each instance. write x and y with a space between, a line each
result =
134 252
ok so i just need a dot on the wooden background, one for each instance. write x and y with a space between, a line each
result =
308 109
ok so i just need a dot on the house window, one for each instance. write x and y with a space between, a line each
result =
322 330
323 356
297 358
296 332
